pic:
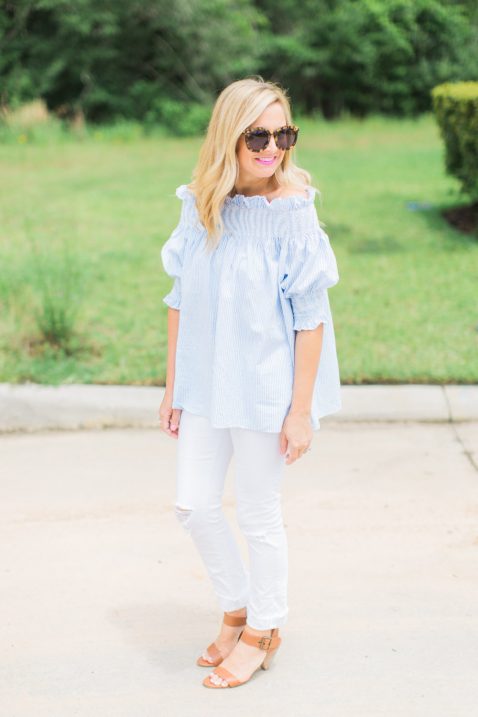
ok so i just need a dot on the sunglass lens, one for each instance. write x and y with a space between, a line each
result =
286 138
257 140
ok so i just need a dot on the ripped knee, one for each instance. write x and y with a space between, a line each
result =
184 516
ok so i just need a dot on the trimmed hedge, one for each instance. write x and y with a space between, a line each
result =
456 110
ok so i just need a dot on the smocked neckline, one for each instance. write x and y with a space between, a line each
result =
257 201
260 201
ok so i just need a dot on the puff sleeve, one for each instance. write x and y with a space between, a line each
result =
309 268
172 252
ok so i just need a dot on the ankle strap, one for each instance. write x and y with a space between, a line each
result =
234 620
264 642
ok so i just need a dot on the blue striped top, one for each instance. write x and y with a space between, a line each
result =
241 305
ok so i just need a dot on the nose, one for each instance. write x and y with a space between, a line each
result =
272 144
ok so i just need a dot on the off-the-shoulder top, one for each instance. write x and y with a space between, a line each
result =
241 306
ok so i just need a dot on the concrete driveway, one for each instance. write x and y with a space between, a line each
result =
105 604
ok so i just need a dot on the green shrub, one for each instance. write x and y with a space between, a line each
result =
165 61
456 110
369 56
121 131
111 60
57 280
179 118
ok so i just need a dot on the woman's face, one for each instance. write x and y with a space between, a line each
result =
254 166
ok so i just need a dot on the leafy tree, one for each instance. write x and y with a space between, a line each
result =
113 57
362 55
157 60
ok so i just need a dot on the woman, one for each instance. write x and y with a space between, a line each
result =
248 321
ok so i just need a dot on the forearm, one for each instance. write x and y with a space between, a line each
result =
308 347
173 325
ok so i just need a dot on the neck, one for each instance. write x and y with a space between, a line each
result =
253 186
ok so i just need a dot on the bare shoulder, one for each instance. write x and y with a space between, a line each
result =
292 192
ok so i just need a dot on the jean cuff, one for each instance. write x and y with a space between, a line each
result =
267 623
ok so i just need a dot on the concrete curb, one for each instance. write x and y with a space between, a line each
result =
35 407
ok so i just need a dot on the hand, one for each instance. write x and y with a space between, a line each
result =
296 436
169 418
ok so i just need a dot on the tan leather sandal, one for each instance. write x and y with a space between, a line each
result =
268 643
213 650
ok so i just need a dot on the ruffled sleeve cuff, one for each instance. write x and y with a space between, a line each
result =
308 269
172 252
173 299
309 311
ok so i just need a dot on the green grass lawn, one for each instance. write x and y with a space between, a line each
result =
405 308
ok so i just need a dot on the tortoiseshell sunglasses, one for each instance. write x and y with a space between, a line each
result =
258 138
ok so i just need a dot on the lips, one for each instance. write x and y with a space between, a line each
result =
266 161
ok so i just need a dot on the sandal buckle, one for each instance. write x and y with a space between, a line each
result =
263 641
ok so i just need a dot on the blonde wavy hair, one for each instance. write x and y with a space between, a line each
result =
217 169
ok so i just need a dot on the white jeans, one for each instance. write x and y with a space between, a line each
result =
203 456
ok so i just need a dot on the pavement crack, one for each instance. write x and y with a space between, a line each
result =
465 450
453 424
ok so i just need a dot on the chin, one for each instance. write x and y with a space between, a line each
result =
261 171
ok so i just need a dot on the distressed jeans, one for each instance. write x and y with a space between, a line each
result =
203 456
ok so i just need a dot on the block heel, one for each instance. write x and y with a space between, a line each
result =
269 643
